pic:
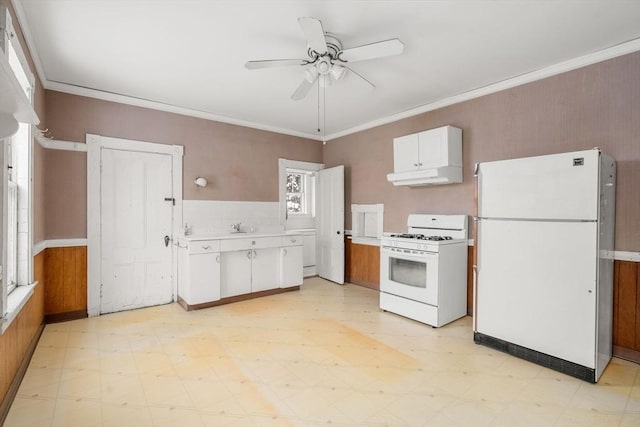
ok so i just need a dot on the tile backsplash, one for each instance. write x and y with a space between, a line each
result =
214 217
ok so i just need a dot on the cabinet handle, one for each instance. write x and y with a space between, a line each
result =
419 164
249 254
293 240
255 254
415 164
206 247
285 252
218 258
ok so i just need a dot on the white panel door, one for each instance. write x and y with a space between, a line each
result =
330 224
536 286
544 187
136 265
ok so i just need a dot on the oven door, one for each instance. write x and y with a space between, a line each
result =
409 275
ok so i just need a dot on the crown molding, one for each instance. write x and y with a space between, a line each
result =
552 70
26 32
153 105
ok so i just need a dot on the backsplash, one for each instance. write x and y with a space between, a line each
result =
214 217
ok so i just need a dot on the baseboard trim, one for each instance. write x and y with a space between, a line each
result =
237 298
365 284
552 362
12 391
65 317
626 354
57 243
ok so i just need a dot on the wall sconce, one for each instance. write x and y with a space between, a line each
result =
200 182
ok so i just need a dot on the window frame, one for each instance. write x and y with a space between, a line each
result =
22 171
297 221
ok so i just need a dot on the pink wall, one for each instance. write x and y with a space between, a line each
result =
239 162
595 106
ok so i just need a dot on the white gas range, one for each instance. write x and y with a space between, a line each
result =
423 274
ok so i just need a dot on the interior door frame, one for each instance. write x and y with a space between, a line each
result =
95 145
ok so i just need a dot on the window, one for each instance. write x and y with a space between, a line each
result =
296 203
300 186
16 158
297 192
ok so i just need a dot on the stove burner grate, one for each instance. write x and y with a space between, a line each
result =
421 237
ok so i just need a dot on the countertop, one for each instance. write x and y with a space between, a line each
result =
225 236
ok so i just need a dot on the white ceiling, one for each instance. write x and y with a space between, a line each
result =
190 54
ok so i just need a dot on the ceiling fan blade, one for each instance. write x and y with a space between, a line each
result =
372 51
361 77
312 29
271 63
302 90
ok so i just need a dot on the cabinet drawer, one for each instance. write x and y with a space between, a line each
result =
267 242
292 240
204 247
227 245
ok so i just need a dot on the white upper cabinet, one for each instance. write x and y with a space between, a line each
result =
406 153
430 157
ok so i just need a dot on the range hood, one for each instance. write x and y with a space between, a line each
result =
430 157
443 175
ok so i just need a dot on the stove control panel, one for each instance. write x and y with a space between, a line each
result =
409 246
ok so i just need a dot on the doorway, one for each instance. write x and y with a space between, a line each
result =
134 209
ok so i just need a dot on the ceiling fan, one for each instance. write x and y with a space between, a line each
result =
327 60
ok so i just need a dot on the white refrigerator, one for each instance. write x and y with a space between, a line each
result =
544 267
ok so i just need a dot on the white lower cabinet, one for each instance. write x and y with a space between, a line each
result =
235 273
291 266
264 269
211 270
199 272
254 268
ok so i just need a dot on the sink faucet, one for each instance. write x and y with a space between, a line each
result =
235 227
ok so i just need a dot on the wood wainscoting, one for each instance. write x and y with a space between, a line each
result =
65 290
626 310
362 265
19 341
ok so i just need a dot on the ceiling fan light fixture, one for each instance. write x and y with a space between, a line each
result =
310 74
337 72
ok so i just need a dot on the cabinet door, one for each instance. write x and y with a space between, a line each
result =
405 153
204 278
432 148
265 269
291 266
235 273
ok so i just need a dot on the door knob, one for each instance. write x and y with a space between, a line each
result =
167 239
337 232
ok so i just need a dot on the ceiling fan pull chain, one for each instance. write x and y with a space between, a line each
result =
318 106
324 114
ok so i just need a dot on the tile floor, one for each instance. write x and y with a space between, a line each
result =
323 356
